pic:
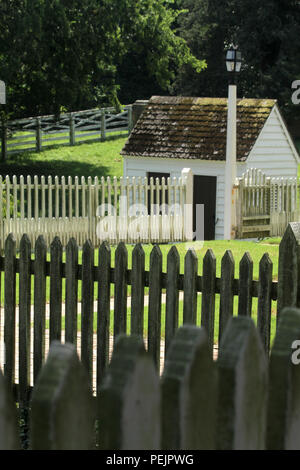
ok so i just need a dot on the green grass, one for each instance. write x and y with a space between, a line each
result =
88 159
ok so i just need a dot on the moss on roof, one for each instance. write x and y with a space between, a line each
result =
186 127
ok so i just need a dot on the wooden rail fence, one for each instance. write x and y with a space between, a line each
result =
113 209
36 133
26 330
243 401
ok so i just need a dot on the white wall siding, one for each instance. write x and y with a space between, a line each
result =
139 166
272 152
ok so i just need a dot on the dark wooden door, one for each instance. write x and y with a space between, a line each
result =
205 188
160 176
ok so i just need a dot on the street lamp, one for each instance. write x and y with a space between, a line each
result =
233 65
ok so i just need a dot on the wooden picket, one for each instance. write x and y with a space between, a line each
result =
114 210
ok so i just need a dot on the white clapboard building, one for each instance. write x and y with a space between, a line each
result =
173 133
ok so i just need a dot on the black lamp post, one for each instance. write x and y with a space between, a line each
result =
233 63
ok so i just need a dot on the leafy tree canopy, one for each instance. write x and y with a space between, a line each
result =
267 33
72 54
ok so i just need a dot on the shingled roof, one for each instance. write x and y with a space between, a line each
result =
183 127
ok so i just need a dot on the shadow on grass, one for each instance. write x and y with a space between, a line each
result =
26 166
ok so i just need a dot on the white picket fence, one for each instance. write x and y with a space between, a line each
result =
267 203
113 209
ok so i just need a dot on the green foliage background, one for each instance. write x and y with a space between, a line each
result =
67 55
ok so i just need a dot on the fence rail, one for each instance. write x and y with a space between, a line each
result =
118 209
36 133
266 205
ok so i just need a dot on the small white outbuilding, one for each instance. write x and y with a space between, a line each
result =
173 133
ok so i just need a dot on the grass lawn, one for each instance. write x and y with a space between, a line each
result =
89 159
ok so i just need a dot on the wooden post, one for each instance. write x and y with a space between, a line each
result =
72 129
38 143
4 142
188 179
103 133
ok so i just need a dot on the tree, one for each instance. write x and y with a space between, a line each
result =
267 34
72 54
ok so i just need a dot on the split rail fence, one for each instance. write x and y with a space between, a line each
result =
36 133
265 205
118 209
26 329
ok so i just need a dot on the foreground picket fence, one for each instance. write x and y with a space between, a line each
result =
25 323
244 400
36 133
113 209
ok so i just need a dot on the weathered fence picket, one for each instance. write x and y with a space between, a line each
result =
288 269
10 308
24 319
71 307
154 309
103 310
190 287
188 392
39 306
120 303
208 295
129 399
242 388
264 304
62 416
283 405
55 289
87 308
226 291
9 439
245 285
172 296
137 290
